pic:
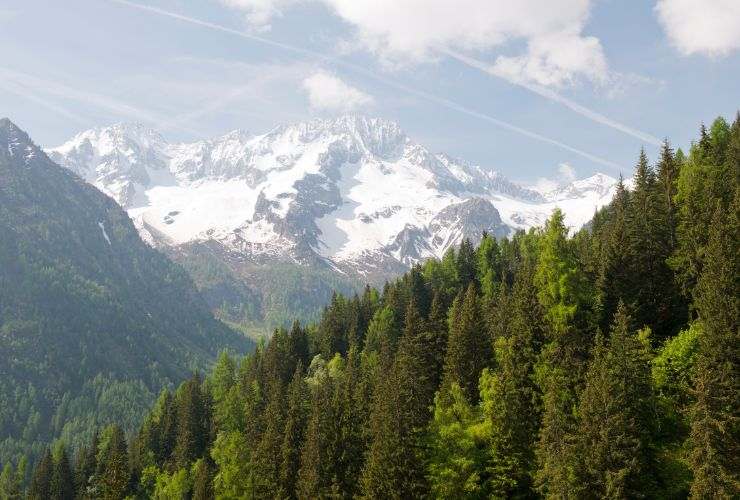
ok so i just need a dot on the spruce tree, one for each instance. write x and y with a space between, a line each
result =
465 264
202 481
715 415
10 484
561 292
318 458
62 480
616 413
192 424
655 303
267 455
295 426
394 466
86 467
113 473
616 279
510 397
40 488
468 347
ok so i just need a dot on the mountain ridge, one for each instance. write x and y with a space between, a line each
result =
345 192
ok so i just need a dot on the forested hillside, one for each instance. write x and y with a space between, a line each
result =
93 322
601 364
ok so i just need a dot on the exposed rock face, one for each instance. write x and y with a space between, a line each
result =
353 194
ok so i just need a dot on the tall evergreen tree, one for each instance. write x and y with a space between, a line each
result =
113 475
40 488
468 347
295 426
193 427
562 294
715 415
510 397
62 480
616 413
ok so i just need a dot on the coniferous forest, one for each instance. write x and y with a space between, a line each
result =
600 364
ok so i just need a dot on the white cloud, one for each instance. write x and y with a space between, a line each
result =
708 27
411 31
555 60
328 92
566 175
259 12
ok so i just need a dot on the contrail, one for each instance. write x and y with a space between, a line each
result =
362 70
554 96
101 101
18 90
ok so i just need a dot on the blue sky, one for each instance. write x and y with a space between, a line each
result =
520 87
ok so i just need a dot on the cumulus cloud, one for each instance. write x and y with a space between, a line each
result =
709 27
412 31
329 93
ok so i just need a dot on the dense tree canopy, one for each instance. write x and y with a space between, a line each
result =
602 364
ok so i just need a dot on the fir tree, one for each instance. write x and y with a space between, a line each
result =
715 415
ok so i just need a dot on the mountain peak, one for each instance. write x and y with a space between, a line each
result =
15 142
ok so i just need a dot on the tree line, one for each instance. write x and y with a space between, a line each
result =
602 364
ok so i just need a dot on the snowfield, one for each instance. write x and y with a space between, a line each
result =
353 191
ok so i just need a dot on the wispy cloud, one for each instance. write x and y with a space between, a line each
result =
370 74
35 86
22 92
552 95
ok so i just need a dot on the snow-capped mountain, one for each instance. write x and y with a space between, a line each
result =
353 192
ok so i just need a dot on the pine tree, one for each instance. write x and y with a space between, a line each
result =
40 488
469 347
616 413
715 415
62 480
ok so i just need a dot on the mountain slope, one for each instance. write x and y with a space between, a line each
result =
354 197
89 313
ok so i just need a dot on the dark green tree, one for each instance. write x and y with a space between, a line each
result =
40 488
616 415
62 485
715 415
468 346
